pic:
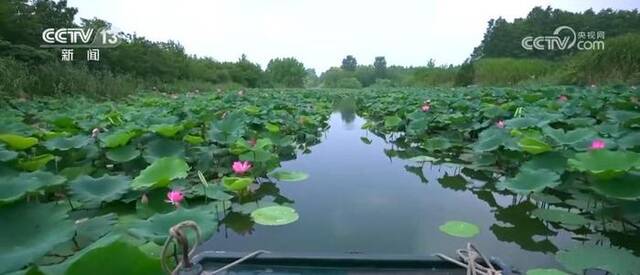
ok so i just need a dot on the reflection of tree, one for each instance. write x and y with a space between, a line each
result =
239 223
523 228
455 182
416 170
347 108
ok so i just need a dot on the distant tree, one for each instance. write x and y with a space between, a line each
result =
311 79
466 74
349 63
380 65
431 63
286 72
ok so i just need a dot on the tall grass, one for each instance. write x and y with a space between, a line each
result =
436 76
618 63
510 71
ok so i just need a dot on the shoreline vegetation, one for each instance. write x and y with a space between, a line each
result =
139 64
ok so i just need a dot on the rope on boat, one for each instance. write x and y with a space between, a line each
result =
469 261
176 233
236 262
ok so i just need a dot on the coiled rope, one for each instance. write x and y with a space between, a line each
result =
469 261
176 233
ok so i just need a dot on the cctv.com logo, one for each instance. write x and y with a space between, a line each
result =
565 38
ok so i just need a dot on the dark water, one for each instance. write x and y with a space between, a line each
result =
357 199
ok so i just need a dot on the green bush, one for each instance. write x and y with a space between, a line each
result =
436 76
511 71
618 63
349 83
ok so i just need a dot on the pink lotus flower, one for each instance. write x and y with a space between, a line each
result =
426 107
563 98
500 124
241 167
597 144
175 197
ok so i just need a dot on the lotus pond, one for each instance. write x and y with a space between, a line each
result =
546 179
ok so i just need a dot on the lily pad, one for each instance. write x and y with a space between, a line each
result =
491 139
570 137
35 163
64 143
7 155
392 121
166 130
612 259
533 145
163 147
527 181
156 228
13 188
236 184
160 173
123 154
545 271
560 216
274 215
93 191
117 138
34 229
436 143
605 164
123 258
460 229
289 175
229 129
625 187
18 142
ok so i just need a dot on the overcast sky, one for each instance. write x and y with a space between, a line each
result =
321 32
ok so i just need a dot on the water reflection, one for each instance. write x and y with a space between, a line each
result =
364 195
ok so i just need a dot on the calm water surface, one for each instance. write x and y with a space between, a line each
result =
357 199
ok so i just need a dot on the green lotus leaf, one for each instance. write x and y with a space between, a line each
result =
35 163
289 175
274 215
629 141
29 231
93 191
605 164
118 138
436 143
553 161
7 155
160 173
123 258
90 230
274 128
18 142
229 129
212 191
236 184
62 267
625 187
527 181
258 155
166 130
64 143
570 137
392 121
533 145
612 259
13 188
460 229
521 122
156 228
560 216
490 139
163 147
544 271
123 154
73 172
194 140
